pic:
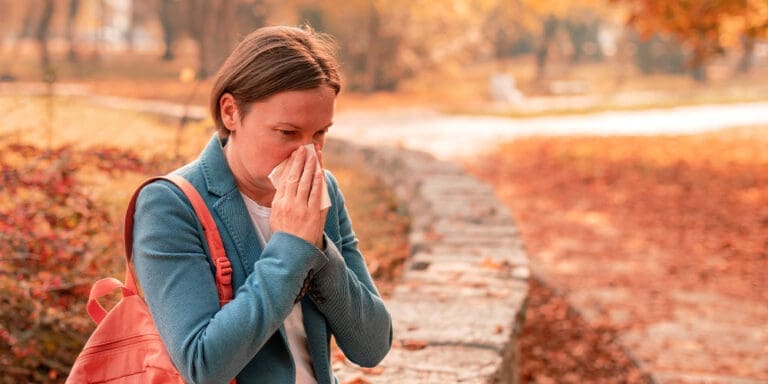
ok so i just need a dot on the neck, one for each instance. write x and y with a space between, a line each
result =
261 193
262 197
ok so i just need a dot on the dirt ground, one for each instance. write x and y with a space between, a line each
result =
683 213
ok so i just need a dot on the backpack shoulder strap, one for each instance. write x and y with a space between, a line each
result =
212 237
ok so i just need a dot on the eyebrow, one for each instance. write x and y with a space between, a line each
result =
298 127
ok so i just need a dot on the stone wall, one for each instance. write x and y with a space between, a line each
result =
460 306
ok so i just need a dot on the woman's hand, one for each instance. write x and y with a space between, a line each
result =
296 205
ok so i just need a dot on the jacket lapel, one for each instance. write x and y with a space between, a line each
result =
230 207
317 340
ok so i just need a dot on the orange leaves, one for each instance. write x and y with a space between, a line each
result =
357 380
336 354
557 346
686 194
373 371
707 26
413 344
651 214
53 234
491 263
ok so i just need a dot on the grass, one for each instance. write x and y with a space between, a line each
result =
57 121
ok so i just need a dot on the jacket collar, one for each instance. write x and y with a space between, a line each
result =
218 177
229 206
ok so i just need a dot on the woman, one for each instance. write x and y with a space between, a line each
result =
273 95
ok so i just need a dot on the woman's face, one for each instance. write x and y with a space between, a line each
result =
270 131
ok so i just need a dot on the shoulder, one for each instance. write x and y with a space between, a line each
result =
161 198
333 186
164 194
331 180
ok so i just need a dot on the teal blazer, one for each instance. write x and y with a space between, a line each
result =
246 337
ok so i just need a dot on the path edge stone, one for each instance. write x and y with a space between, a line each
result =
460 306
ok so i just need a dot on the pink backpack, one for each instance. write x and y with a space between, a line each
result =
126 347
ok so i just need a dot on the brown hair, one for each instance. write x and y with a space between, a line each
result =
271 60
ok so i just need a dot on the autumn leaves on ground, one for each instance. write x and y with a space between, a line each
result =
687 212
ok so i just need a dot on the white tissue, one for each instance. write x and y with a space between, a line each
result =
276 176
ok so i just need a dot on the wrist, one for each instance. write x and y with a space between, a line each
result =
320 243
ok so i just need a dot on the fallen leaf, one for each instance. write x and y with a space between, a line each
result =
357 380
375 371
413 344
490 263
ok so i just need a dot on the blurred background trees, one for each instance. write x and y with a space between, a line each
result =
704 29
383 42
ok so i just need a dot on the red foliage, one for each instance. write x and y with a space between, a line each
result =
558 346
55 240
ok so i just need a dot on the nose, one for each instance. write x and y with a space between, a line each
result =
317 144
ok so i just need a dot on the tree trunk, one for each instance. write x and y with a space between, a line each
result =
74 6
130 37
199 13
41 34
165 10
370 83
225 33
698 65
548 35
623 57
577 33
699 73
747 57
101 17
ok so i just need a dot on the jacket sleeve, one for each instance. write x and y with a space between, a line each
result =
208 343
344 292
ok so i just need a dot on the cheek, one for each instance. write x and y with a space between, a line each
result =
264 157
280 153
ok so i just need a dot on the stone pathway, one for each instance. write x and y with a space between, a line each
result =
460 305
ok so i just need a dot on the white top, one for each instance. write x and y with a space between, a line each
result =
294 323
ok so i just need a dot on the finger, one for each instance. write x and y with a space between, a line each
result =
319 153
295 166
279 181
305 183
316 194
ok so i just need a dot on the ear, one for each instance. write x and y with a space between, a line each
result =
230 116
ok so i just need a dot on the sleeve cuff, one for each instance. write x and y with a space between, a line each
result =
333 272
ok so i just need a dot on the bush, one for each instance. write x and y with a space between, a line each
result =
55 240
